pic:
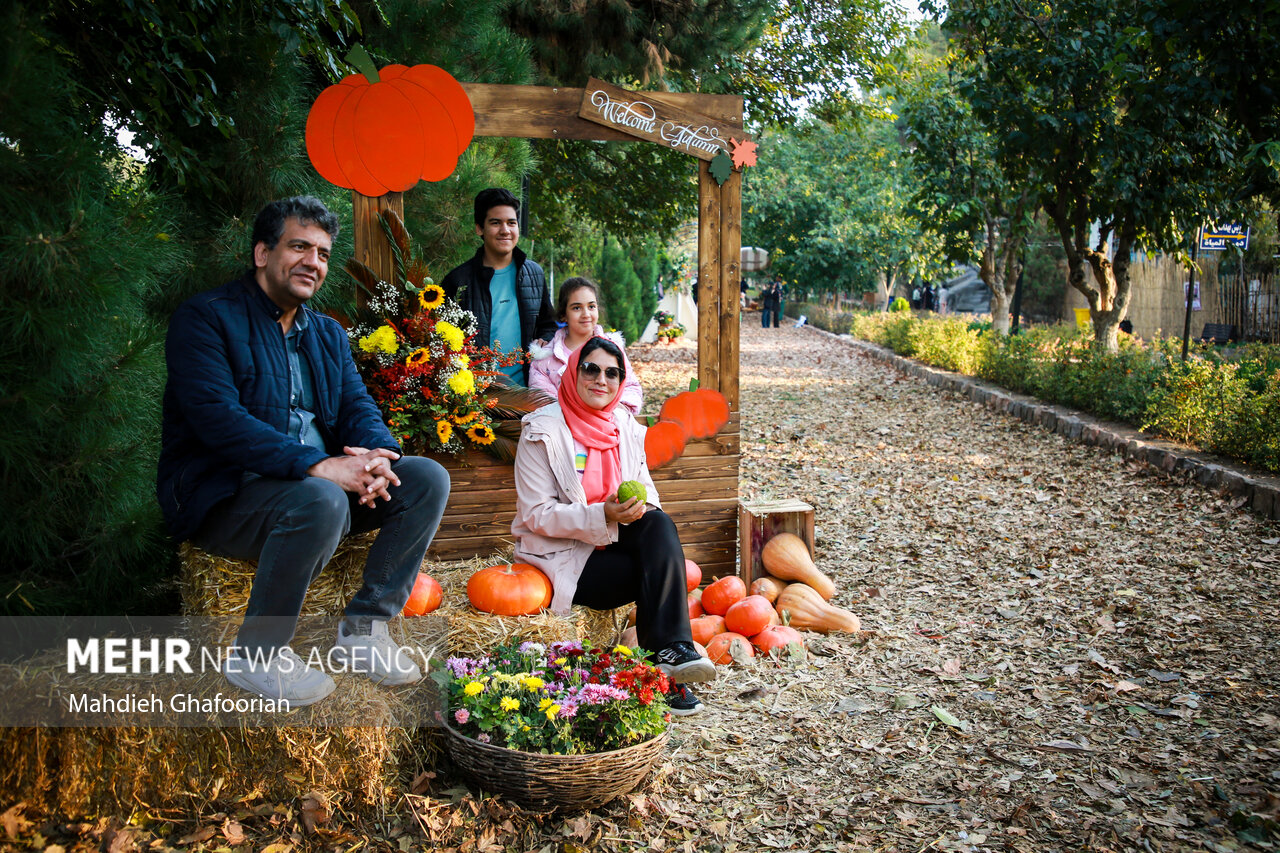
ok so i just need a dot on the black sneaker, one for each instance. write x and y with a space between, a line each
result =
682 701
681 662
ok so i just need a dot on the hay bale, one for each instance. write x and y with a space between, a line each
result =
362 768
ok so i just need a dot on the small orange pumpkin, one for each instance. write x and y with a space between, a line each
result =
692 575
749 616
723 594
730 648
776 637
426 596
695 606
663 443
515 589
705 627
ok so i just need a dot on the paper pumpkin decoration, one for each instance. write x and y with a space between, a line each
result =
382 131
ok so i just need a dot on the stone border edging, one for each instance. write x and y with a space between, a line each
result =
1262 492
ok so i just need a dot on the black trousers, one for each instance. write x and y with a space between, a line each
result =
645 565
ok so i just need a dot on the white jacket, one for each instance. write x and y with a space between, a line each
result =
555 529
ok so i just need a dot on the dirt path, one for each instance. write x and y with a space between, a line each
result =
1062 650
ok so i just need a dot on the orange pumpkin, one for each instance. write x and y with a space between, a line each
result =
701 411
767 586
723 594
517 589
705 627
381 131
663 442
749 616
730 648
426 596
776 637
692 575
695 607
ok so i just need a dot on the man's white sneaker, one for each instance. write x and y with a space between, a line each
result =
376 655
285 677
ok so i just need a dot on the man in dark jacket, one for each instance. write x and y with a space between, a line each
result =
500 285
273 450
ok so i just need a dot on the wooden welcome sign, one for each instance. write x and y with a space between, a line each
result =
643 117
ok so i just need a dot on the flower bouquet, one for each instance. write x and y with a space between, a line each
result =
558 724
416 352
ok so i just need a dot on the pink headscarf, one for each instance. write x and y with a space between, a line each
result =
595 430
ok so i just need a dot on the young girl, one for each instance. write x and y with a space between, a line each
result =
577 308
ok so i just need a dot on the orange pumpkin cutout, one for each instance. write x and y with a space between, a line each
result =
380 132
426 596
663 443
701 411
516 589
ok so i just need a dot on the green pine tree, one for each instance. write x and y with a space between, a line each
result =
620 291
82 250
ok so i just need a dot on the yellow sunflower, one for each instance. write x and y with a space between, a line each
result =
444 431
481 434
431 296
418 356
464 419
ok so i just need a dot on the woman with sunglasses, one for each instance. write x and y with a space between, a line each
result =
597 552
578 308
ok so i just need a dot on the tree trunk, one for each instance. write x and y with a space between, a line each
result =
1000 311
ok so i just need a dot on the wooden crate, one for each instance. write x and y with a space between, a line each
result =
699 491
759 521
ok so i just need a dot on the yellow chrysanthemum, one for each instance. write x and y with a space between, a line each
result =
544 704
481 435
508 704
418 356
381 339
561 661
463 382
431 296
622 650
473 688
452 335
532 682
444 431
551 711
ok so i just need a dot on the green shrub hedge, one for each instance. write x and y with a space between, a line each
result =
1227 401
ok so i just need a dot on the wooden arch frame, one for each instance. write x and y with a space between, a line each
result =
699 490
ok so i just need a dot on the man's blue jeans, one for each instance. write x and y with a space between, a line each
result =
764 317
293 527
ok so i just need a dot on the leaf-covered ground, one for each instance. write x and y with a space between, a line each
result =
1061 651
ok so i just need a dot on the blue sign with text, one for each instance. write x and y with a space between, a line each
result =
1216 238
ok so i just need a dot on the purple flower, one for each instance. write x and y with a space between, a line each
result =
599 694
462 715
483 737
568 710
461 667
530 647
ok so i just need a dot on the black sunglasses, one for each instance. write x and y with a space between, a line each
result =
591 370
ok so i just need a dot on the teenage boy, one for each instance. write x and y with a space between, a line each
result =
500 285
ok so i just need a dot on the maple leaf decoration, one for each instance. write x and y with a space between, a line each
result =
744 153
720 168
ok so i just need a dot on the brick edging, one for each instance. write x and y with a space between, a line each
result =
1262 492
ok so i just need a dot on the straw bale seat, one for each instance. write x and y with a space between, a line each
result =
361 768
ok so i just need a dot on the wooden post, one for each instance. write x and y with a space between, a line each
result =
710 266
719 271
371 246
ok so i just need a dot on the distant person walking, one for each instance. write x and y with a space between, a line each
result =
769 305
779 295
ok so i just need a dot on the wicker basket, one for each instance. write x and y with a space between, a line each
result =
561 781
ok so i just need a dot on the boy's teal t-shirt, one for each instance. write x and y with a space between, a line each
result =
504 319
